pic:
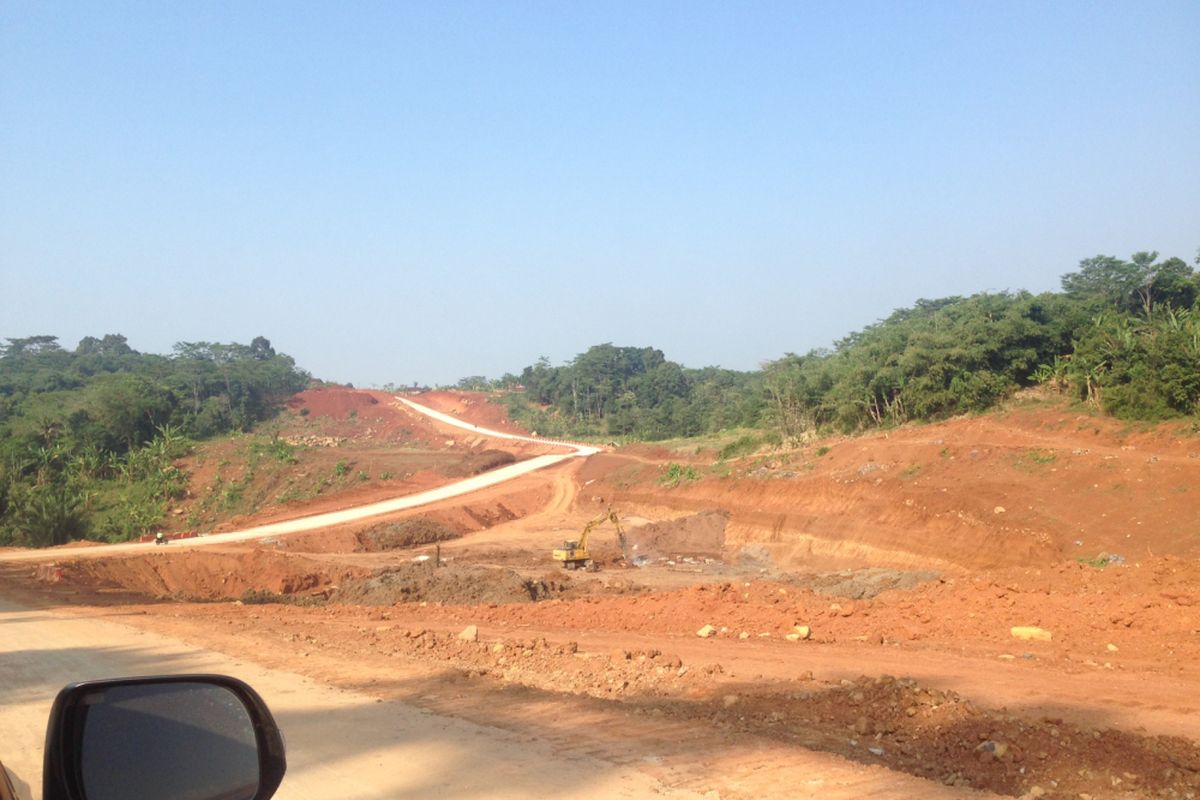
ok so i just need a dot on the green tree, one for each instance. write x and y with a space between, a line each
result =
1137 285
74 422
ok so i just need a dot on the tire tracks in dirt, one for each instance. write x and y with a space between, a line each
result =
341 743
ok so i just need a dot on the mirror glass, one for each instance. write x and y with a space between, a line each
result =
176 741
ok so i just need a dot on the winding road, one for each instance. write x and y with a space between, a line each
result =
341 743
316 521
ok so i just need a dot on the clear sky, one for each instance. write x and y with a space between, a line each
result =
398 192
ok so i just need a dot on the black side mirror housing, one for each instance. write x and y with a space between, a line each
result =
201 737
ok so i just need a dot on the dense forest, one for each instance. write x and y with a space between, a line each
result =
1122 336
89 437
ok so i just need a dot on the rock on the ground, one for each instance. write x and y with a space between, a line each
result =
469 633
799 632
1031 633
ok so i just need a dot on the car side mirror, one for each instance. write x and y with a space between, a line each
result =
177 737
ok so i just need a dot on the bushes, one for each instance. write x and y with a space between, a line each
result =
676 474
1140 369
1123 334
749 443
104 424
634 392
43 516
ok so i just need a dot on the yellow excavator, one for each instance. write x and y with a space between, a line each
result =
574 553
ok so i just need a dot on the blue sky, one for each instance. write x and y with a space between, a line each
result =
398 192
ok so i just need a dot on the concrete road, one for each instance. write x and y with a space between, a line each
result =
450 419
316 521
341 744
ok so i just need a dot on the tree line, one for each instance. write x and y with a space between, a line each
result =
89 437
630 392
1122 336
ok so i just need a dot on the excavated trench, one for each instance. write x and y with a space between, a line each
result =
211 574
276 572
264 575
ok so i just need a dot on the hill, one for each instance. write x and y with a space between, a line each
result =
1035 483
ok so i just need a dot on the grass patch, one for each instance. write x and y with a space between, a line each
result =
739 447
276 449
1100 561
628 476
720 470
294 493
1032 459
676 474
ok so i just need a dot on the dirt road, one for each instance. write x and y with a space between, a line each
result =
340 743
367 744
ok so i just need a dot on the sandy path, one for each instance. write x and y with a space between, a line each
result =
340 743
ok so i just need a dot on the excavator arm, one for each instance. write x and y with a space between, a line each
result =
583 536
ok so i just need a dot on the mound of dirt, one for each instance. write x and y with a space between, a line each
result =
419 583
700 535
940 735
405 533
859 584
554 667
333 401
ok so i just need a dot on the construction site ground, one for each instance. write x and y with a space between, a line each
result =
993 606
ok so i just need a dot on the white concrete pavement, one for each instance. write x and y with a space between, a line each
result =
316 521
450 419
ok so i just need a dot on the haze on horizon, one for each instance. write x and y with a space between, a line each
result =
421 192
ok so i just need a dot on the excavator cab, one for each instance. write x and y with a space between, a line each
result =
572 555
